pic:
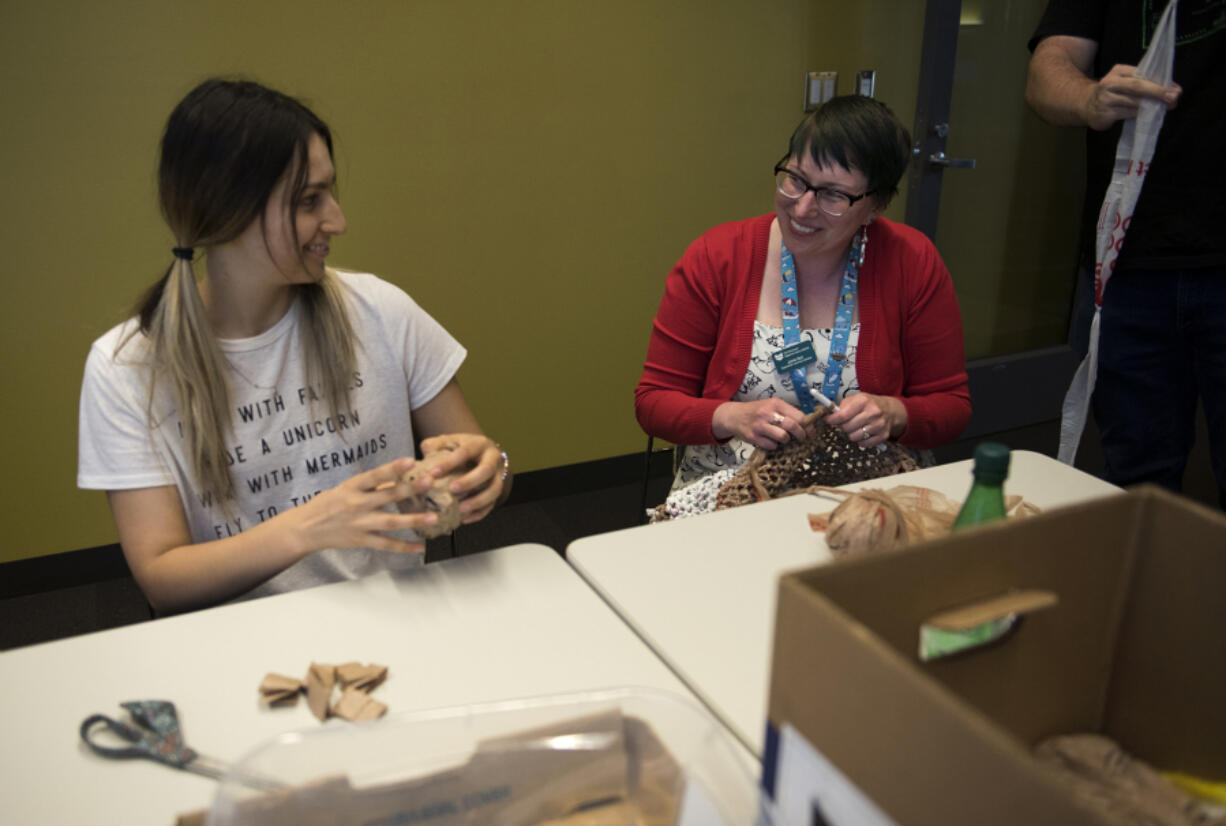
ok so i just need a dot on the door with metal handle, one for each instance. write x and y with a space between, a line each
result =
939 159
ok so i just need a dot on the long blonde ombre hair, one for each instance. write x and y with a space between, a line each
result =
226 146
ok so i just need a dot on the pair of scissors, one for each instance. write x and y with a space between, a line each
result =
155 735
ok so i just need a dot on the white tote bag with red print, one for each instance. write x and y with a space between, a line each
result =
1132 157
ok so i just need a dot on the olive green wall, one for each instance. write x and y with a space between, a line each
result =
528 171
1008 229
884 35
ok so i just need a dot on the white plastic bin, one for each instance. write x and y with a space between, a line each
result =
634 756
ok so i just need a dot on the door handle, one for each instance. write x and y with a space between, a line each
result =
939 159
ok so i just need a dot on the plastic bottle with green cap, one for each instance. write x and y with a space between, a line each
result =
986 499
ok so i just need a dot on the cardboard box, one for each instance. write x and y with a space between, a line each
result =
1135 649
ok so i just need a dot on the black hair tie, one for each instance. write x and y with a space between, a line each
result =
186 253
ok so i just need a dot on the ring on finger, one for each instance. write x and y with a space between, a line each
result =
867 435
777 419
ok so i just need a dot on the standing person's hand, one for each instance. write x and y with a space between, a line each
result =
767 424
1118 94
1062 89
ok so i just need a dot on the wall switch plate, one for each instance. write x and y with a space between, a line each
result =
866 82
819 88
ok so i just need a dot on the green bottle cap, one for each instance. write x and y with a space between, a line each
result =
991 462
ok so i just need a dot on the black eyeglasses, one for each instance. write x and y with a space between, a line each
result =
832 201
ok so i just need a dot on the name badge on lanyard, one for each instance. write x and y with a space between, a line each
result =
796 354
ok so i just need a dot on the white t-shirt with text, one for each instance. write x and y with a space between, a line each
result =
286 446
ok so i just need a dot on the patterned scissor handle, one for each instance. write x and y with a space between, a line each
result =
159 738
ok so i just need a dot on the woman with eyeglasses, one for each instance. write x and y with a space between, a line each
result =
763 318
253 421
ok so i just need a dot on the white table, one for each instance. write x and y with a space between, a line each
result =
511 623
701 591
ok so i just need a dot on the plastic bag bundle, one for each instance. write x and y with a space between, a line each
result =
872 520
1132 156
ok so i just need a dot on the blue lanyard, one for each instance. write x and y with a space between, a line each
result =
842 321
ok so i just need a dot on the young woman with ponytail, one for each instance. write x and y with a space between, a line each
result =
253 422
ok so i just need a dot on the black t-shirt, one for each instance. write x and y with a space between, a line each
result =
1180 218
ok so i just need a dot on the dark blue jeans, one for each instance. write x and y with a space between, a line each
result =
1162 347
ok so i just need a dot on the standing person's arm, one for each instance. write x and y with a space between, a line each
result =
1061 89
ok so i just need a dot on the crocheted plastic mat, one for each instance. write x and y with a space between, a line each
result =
828 458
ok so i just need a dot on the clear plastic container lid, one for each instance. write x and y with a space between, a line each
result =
620 756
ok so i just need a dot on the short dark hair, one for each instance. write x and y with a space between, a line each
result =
856 132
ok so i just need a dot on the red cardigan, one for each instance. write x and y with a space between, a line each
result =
910 333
